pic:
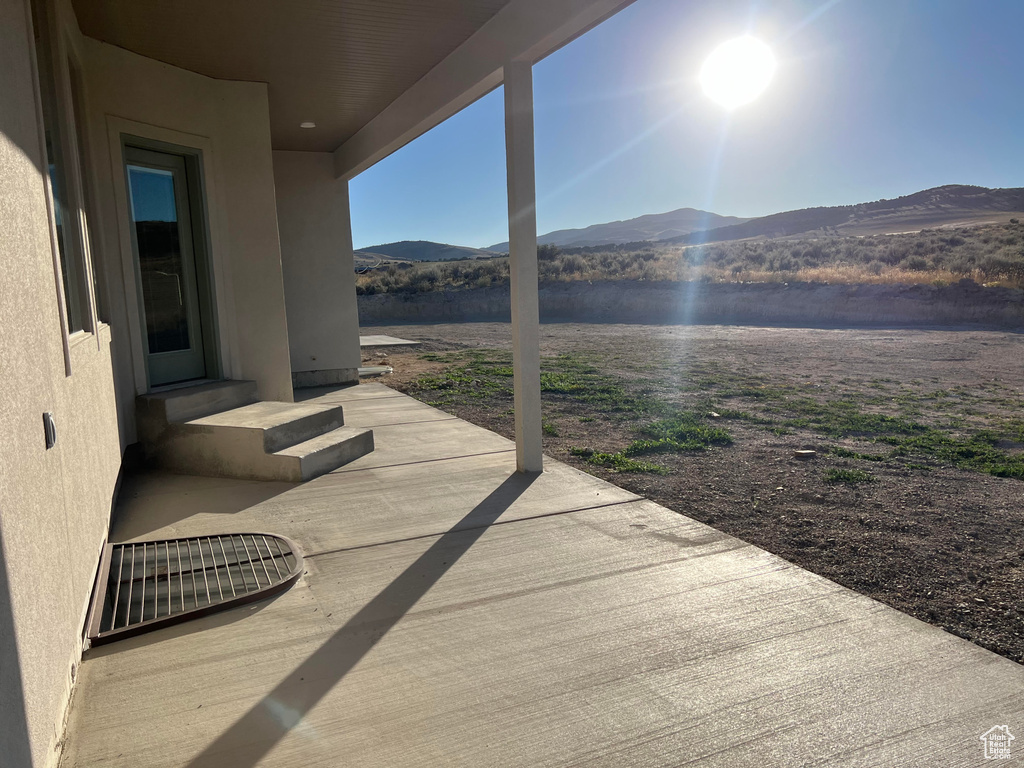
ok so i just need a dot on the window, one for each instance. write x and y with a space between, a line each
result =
78 117
60 153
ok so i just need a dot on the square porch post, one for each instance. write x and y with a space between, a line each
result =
522 253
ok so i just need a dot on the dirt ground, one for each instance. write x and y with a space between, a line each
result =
936 535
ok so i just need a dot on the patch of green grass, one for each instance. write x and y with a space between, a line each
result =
684 431
457 382
977 452
948 433
548 428
662 445
479 374
575 378
617 461
848 476
1015 429
441 357
843 418
735 415
846 453
482 374
784 408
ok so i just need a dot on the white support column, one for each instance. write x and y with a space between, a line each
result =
522 252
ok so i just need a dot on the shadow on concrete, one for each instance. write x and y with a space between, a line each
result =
15 745
140 510
191 627
249 740
302 394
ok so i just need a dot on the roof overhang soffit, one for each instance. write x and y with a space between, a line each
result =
524 30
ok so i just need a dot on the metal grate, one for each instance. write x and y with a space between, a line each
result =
150 584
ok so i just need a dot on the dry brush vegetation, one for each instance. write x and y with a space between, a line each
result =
989 255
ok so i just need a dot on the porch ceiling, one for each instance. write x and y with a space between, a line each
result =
337 63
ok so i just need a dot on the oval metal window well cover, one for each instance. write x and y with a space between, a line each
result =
146 585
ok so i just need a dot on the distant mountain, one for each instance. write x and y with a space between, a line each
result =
420 250
653 226
946 206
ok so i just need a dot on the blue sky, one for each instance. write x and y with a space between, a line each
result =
872 99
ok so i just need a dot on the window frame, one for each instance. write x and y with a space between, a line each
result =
78 102
56 113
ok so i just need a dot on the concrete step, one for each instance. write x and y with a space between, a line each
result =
329 451
262 441
271 426
156 410
371 371
220 429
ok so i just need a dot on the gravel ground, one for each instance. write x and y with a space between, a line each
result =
928 535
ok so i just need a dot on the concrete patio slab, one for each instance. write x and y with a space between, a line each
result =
589 638
447 439
160 501
374 371
343 510
367 411
379 340
352 393
154 700
455 613
370 406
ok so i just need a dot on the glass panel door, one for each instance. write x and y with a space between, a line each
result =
166 264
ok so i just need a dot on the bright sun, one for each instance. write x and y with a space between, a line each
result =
737 71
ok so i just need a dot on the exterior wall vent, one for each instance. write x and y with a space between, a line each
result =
146 585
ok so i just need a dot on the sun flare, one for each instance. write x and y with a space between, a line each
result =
737 71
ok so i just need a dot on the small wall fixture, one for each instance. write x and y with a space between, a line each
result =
49 430
307 124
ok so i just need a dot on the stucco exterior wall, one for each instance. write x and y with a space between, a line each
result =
54 504
319 277
229 123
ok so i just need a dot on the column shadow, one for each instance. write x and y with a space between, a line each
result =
249 740
15 744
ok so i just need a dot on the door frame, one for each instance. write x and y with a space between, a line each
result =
195 265
220 351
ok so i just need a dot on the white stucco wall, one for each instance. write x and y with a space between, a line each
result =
319 277
54 504
229 122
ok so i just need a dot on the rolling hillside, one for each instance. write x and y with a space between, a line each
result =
653 226
416 250
946 206
952 205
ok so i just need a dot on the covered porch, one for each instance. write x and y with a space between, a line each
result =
455 612
270 122
457 606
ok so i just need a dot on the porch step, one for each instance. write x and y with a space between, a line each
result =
154 411
271 426
253 440
329 451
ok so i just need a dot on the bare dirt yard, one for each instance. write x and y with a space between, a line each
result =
915 496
